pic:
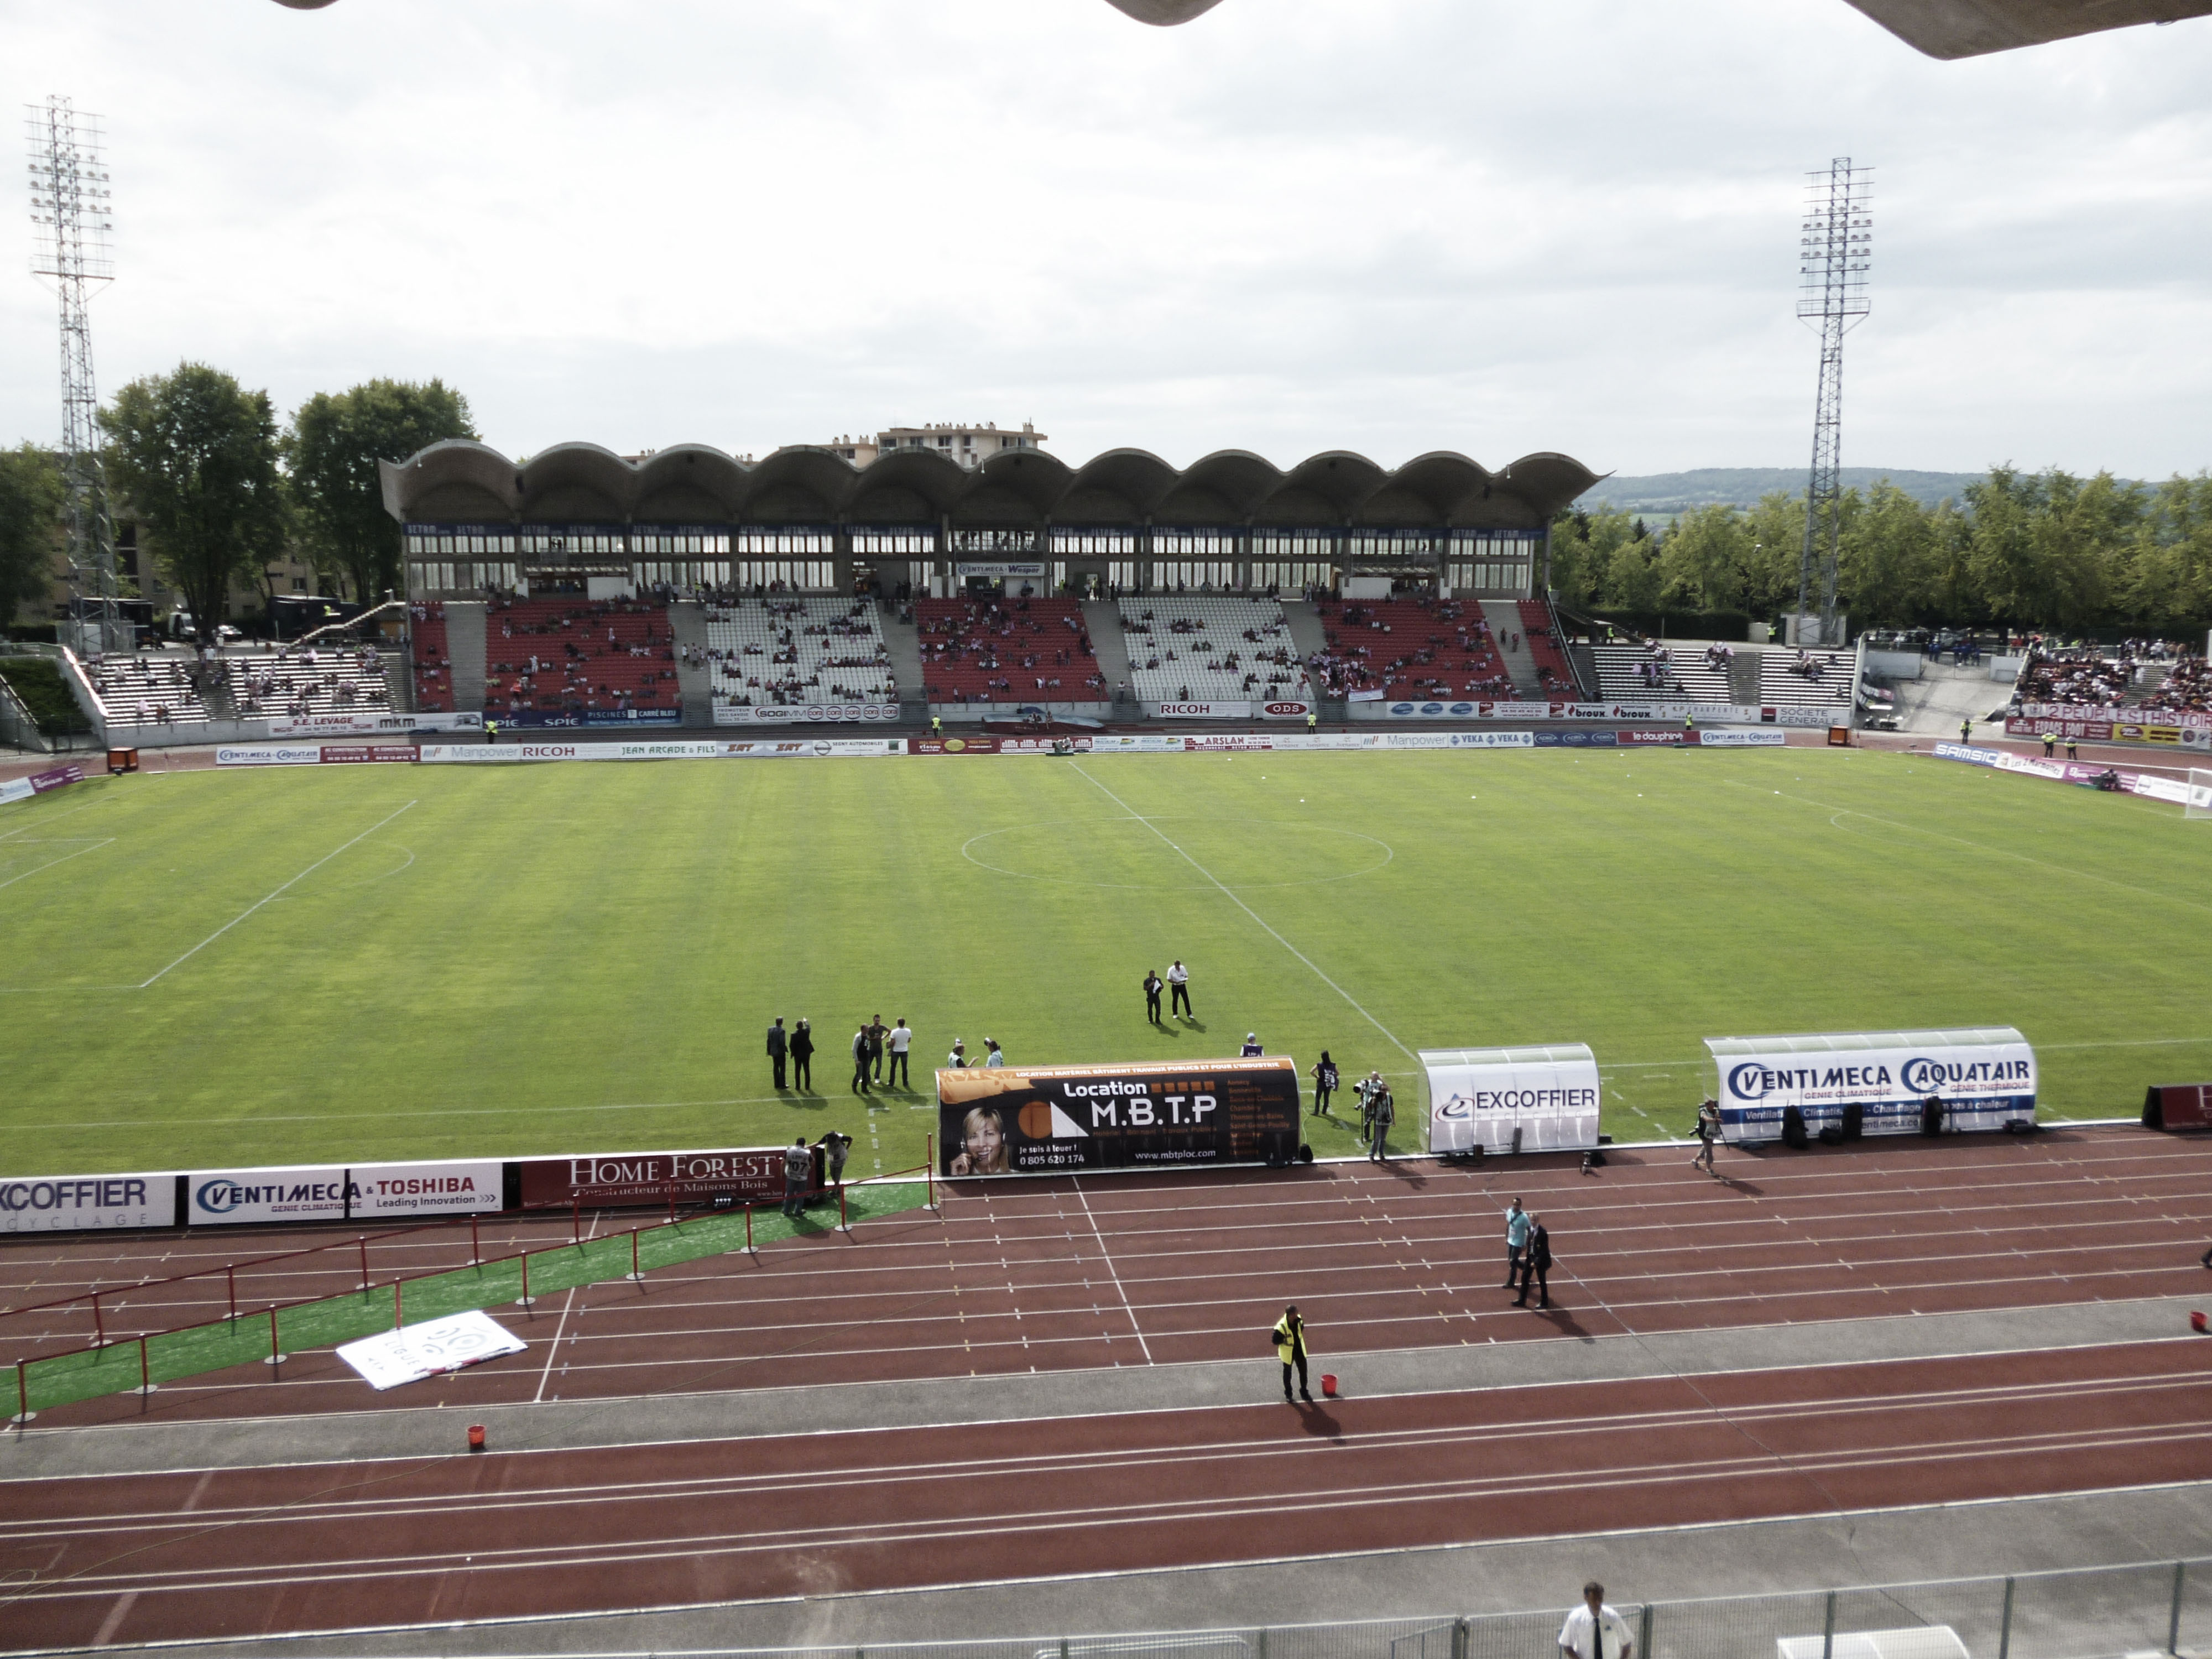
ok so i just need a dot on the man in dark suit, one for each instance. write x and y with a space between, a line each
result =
1151 996
1536 1264
778 1046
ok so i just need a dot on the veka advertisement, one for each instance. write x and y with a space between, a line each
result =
332 1193
1546 1095
1044 1120
1985 1079
746 1174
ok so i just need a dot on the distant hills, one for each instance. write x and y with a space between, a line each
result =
1664 494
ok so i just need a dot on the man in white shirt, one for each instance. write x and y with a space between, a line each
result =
897 1041
1179 991
1595 1630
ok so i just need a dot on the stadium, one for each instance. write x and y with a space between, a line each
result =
913 1049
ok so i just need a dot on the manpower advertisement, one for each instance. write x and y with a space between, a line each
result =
1985 1078
1042 1120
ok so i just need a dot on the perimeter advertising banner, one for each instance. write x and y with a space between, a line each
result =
231 1198
61 1204
1480 1097
1985 1079
1039 1120
735 1177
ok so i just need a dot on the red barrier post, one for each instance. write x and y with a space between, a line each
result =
929 1167
636 1275
275 1357
99 1327
397 1323
145 1372
526 1299
476 1249
749 1228
364 1263
843 1225
672 1204
230 1273
576 1220
22 1394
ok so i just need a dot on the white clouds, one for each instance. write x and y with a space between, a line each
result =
1393 225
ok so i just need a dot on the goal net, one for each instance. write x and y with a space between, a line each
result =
2199 804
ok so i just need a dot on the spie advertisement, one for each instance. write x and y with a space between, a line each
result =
1044 1120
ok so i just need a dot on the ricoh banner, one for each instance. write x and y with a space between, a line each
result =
342 1193
1985 1079
1545 1096
1042 1120
64 1204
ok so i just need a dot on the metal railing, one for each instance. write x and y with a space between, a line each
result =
2088 1613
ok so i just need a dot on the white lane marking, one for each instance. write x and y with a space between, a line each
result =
554 1346
1108 1256
266 898
91 847
1249 911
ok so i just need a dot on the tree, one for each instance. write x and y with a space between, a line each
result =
195 453
331 449
1704 559
32 491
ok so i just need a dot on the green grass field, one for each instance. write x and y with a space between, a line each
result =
352 963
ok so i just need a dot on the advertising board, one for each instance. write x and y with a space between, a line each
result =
357 754
999 569
1985 1079
1200 711
1753 739
61 1204
226 1198
2108 713
1546 1094
730 1175
347 724
1283 708
271 754
1040 1119
529 719
39 783
803 714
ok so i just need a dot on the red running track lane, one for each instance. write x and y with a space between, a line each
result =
235 1552
1058 1275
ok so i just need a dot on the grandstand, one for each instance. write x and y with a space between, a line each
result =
433 665
779 652
297 683
1554 674
1010 650
1206 648
1806 678
146 691
1645 670
1413 648
572 656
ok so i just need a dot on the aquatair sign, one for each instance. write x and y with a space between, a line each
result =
1985 1079
1538 1098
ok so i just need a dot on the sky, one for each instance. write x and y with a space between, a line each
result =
1391 226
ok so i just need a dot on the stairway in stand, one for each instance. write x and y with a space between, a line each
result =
904 641
1512 639
464 647
687 625
1103 620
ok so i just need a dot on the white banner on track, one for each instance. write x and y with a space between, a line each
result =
429 1349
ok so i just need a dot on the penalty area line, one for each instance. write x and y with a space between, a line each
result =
1246 909
274 894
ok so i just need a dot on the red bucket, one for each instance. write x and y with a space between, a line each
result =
2196 1323
1328 1378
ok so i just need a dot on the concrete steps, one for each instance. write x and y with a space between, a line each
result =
687 623
1104 618
464 648
903 640
1503 616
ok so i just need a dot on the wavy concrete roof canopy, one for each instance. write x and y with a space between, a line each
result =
463 480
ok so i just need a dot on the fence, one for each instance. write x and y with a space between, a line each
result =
2091 1613
155 1330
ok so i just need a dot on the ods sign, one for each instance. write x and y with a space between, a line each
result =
1985 1078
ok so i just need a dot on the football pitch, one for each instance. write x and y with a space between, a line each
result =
354 963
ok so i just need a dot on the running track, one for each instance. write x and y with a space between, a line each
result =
238 1553
1059 1275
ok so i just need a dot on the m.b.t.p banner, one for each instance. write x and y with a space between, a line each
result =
1040 1119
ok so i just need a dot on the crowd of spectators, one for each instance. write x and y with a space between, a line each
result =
1209 648
1017 650
140 691
1416 647
775 651
563 656
299 683
434 668
2091 676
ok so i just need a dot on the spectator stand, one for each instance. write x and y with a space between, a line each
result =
1639 670
566 661
430 658
293 682
1209 648
146 691
1411 648
992 654
1795 678
1555 672
797 652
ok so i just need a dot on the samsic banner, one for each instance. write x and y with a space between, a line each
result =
1481 1097
1037 1120
1985 1079
735 1177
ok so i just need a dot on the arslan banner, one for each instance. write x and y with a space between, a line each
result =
1037 1120
1984 1078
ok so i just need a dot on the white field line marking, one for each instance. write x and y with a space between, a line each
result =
1249 911
554 1347
1107 1256
1974 845
93 847
265 898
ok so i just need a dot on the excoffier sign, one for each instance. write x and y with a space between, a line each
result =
61 1204
1538 1098
1985 1077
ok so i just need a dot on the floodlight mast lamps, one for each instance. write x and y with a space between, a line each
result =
71 223
1835 251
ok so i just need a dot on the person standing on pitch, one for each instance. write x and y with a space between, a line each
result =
777 1044
1965 731
1179 989
897 1041
797 1174
1385 1112
1289 1339
958 1057
1516 1243
1709 1132
1595 1630
1536 1264
993 1055
802 1057
1324 1077
1152 995
1251 1050
860 1061
876 1032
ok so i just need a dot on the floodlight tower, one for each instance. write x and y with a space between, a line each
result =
1835 253
70 213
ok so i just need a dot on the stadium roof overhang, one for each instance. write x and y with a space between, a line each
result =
1941 28
463 480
